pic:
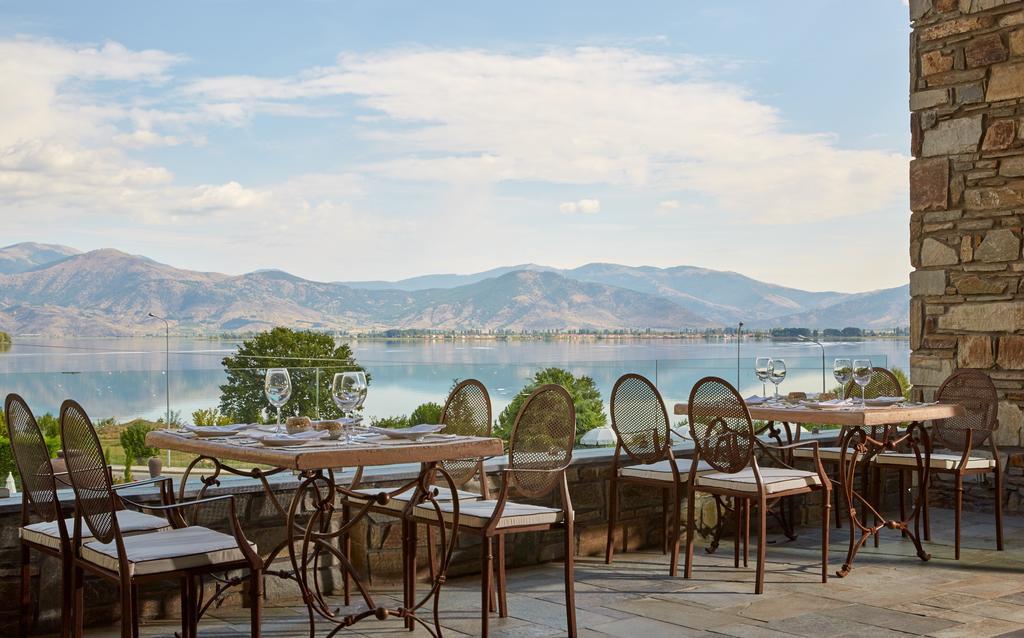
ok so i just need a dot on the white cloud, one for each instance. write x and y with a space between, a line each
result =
669 205
585 206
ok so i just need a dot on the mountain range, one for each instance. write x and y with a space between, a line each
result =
57 290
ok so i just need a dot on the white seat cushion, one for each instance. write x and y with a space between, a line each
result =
775 480
938 461
130 522
168 551
478 513
824 453
662 470
399 501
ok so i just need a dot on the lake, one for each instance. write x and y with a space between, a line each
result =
125 378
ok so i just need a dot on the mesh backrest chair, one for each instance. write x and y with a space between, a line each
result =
954 443
467 412
39 497
643 431
723 437
540 449
183 553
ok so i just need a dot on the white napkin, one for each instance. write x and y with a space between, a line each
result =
308 435
755 399
423 428
211 429
836 402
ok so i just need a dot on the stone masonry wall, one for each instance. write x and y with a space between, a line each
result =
967 197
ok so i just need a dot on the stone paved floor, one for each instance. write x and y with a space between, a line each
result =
889 593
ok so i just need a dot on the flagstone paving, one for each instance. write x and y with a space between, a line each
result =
889 593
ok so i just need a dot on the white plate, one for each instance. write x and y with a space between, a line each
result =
884 401
212 432
414 433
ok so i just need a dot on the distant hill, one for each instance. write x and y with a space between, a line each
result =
877 310
29 255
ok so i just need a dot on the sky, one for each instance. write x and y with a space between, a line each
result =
348 141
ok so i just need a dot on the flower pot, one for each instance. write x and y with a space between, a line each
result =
156 465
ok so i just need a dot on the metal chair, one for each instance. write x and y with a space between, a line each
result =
723 436
540 448
883 384
39 496
467 412
181 553
974 390
641 424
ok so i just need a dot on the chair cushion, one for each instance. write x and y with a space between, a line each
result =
399 501
168 551
775 480
824 453
938 461
477 513
662 470
131 522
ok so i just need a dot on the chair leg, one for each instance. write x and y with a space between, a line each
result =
78 588
185 606
999 510
25 618
256 603
570 579
677 505
346 541
924 510
737 510
762 540
747 503
127 621
903 496
876 497
613 515
691 496
67 596
825 526
193 587
958 505
502 598
136 617
413 532
486 571
664 521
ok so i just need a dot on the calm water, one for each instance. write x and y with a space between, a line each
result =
124 378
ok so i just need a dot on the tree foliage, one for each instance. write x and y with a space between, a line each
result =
210 416
586 398
133 440
302 352
426 413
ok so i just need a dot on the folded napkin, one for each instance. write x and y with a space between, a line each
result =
836 402
212 429
423 428
308 435
755 399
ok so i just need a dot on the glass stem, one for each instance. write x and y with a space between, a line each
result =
277 429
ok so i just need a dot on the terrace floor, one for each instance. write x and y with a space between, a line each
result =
889 593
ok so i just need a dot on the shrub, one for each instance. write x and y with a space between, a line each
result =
50 425
7 457
390 421
586 398
210 416
426 413
133 440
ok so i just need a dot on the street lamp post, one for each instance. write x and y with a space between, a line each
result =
822 346
739 338
167 374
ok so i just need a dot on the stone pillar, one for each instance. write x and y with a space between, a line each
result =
967 197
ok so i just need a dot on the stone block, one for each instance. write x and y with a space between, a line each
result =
1017 42
935 253
945 6
929 184
975 351
966 248
998 245
974 6
926 370
955 77
1011 421
972 93
920 100
916 323
940 342
995 316
952 137
935 62
1011 195
956 27
975 285
1011 352
918 8
1012 166
985 51
1000 135
927 282
1006 82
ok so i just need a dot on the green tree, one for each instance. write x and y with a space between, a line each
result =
49 425
426 413
585 397
5 341
905 386
302 352
210 416
133 441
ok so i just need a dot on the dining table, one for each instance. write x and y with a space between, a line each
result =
866 431
312 517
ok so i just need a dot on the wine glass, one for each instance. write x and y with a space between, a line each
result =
776 373
842 370
761 370
862 373
278 387
348 390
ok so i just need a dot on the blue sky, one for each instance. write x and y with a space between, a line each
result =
378 140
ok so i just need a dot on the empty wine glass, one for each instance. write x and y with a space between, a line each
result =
862 373
761 370
278 387
842 370
348 390
776 373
